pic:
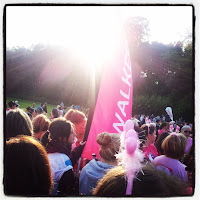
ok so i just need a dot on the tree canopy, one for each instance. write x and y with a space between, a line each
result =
163 75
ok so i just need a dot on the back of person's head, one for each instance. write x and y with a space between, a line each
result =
148 129
160 140
30 110
164 124
55 112
40 123
60 129
26 168
109 145
40 110
174 145
75 116
18 123
11 104
149 182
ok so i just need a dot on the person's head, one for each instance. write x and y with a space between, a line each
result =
30 110
186 130
40 125
149 182
164 125
150 132
43 105
26 168
174 145
59 107
33 105
18 123
78 118
34 113
12 104
40 110
109 145
55 113
160 140
62 131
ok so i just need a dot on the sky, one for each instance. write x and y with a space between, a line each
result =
27 25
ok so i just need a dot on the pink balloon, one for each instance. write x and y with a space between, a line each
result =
128 125
131 133
131 145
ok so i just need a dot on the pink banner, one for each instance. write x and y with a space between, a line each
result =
114 102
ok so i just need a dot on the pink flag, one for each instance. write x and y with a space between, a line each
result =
114 101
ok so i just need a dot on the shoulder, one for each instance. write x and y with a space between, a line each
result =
58 156
189 140
160 158
181 165
152 147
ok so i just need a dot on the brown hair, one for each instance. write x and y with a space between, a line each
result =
40 123
159 142
149 183
173 147
109 145
75 116
60 128
148 130
18 123
26 168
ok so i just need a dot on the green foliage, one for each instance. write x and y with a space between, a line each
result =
156 104
163 75
150 104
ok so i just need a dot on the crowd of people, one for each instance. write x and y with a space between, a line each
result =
42 156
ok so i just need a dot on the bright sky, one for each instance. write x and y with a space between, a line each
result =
54 24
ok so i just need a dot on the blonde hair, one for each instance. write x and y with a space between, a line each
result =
75 116
109 145
40 123
174 145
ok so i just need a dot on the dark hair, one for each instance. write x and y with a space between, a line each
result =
40 110
11 103
60 128
29 114
149 183
163 125
148 129
55 112
18 123
26 168
159 142
30 110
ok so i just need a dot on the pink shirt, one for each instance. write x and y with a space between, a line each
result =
175 167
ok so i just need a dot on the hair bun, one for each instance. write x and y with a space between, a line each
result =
104 139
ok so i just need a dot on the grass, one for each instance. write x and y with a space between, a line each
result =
24 104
